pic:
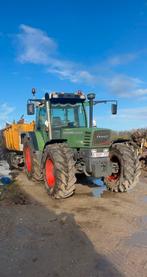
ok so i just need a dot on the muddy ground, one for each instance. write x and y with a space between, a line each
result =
94 233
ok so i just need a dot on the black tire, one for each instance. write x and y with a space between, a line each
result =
2 153
9 158
127 157
60 158
34 170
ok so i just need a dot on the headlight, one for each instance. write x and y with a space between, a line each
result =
96 154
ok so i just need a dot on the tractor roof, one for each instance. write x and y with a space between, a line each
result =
63 98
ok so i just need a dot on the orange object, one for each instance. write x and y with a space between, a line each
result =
12 135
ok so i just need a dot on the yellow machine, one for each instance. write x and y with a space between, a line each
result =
10 142
11 135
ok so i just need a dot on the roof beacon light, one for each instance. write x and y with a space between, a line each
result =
54 95
81 94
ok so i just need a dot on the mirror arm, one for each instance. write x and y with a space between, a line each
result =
104 101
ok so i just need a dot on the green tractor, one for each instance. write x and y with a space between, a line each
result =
63 145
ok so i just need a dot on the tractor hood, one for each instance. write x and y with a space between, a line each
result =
87 137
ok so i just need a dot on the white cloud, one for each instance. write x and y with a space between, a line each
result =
73 75
138 113
126 86
140 92
35 46
122 59
126 118
5 112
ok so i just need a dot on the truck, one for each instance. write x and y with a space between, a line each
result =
63 143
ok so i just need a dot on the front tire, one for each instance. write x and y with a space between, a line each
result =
59 170
126 156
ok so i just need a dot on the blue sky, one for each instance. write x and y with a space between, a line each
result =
98 46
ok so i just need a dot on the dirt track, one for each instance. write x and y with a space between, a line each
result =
83 236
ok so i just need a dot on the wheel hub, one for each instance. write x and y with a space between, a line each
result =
49 173
28 160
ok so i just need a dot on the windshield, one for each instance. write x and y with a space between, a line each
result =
68 115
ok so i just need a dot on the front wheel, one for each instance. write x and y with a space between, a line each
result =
125 155
59 170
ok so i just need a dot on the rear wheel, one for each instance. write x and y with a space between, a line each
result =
59 170
31 164
9 160
125 155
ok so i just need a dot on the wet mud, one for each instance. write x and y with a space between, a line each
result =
94 233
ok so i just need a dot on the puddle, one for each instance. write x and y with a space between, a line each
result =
98 192
22 232
144 220
138 239
145 199
100 189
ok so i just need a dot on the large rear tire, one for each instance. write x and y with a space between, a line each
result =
59 170
31 163
9 158
129 169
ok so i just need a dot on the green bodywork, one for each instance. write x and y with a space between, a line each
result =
41 140
86 137
76 138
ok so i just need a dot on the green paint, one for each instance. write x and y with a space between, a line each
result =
84 137
40 140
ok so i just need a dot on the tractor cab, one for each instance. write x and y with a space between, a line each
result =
67 111
60 110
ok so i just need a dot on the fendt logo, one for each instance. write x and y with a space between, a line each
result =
102 137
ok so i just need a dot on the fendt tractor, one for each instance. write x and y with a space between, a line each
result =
61 144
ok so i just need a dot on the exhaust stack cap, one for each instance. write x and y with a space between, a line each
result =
91 96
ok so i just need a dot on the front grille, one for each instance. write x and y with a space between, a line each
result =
87 138
101 137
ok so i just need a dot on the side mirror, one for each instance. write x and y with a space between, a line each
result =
30 108
114 108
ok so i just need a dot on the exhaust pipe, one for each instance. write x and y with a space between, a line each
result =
91 97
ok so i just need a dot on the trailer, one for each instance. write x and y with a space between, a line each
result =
12 142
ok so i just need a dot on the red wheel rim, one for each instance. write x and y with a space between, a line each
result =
28 160
49 173
113 177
